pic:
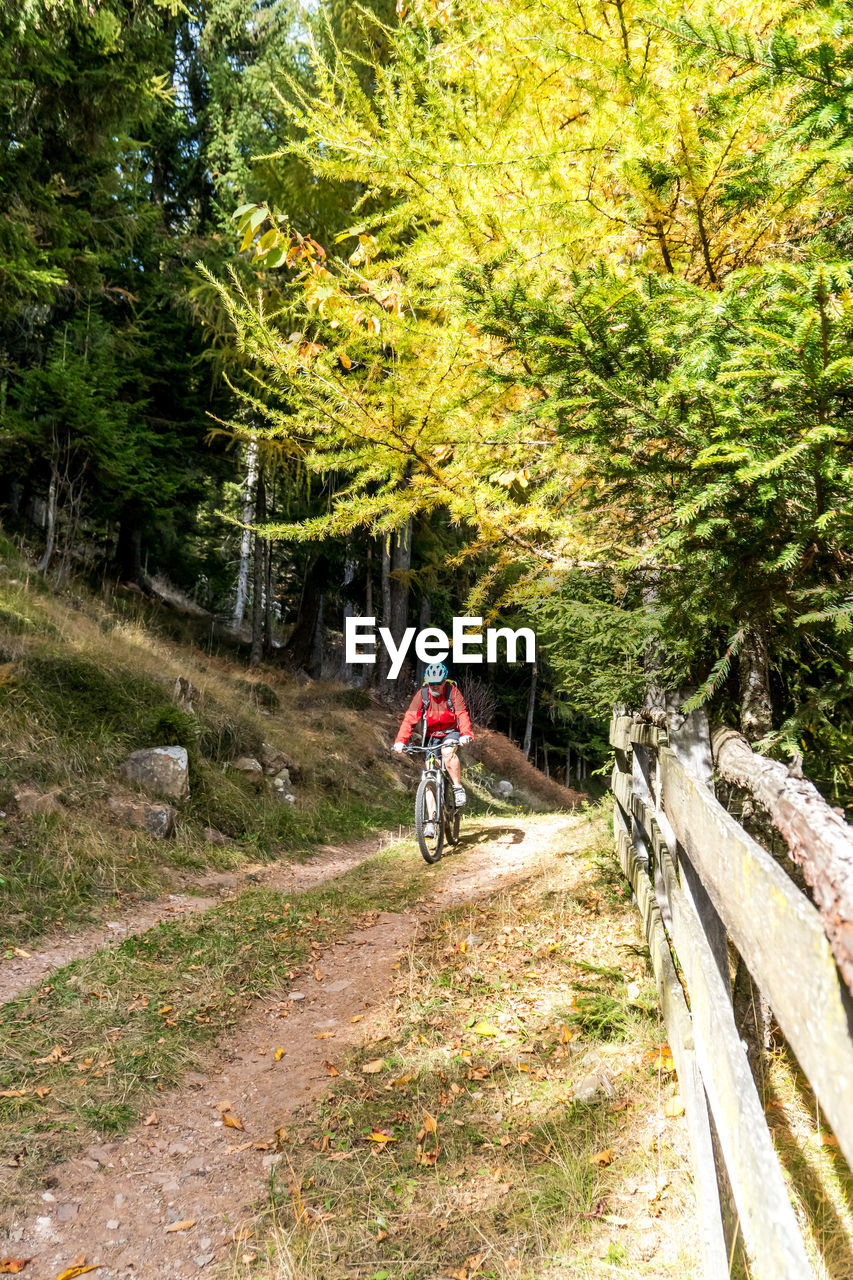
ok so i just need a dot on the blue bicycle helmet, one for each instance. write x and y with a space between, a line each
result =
436 673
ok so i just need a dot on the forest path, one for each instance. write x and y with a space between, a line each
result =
169 1197
26 967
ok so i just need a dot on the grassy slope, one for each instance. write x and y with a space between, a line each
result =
83 686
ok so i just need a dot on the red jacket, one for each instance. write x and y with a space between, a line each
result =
438 717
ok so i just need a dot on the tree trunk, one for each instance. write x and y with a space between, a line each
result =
545 768
268 598
424 619
368 592
51 519
347 672
246 536
128 554
383 662
756 708
257 649
818 838
531 704
299 649
318 650
568 768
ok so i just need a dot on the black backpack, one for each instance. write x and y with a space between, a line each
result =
449 686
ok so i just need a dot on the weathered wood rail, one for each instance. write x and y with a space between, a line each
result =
709 893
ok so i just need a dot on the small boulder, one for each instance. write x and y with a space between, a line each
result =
504 788
185 695
161 771
38 803
212 836
248 765
157 819
273 760
281 788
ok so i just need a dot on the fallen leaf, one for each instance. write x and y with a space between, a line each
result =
485 1029
167 1008
279 1054
42 1091
23 955
430 1123
828 1140
340 1155
331 1069
674 1106
358 1017
183 1225
324 1035
371 1068
660 1059
56 1054
474 1263
79 1269
602 1158
565 1035
11 1266
399 1082
152 1119
380 1135
224 1106
14 1093
380 1236
232 1121
427 1157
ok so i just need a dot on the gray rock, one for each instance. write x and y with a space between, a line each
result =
273 760
592 1087
212 836
282 778
157 819
248 765
202 1259
67 1212
38 803
161 771
504 788
185 695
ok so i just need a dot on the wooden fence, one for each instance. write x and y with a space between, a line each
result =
709 893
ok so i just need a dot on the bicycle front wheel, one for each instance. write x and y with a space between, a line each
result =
428 814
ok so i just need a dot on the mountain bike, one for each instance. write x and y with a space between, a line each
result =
435 784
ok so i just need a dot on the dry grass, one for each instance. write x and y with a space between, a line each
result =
504 759
819 1180
82 686
466 1152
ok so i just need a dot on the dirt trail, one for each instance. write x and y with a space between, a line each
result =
22 971
116 1203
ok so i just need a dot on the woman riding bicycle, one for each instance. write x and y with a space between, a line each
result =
446 723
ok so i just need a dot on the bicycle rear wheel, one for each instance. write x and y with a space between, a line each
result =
430 846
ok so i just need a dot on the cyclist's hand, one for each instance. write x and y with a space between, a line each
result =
465 739
399 746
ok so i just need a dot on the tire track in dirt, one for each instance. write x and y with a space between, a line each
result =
26 968
116 1202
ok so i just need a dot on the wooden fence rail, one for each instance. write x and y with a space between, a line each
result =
706 890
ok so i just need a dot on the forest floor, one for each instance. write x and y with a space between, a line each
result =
458 1072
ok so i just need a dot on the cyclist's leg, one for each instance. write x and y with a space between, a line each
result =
452 764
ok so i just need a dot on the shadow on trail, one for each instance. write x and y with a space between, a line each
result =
470 837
